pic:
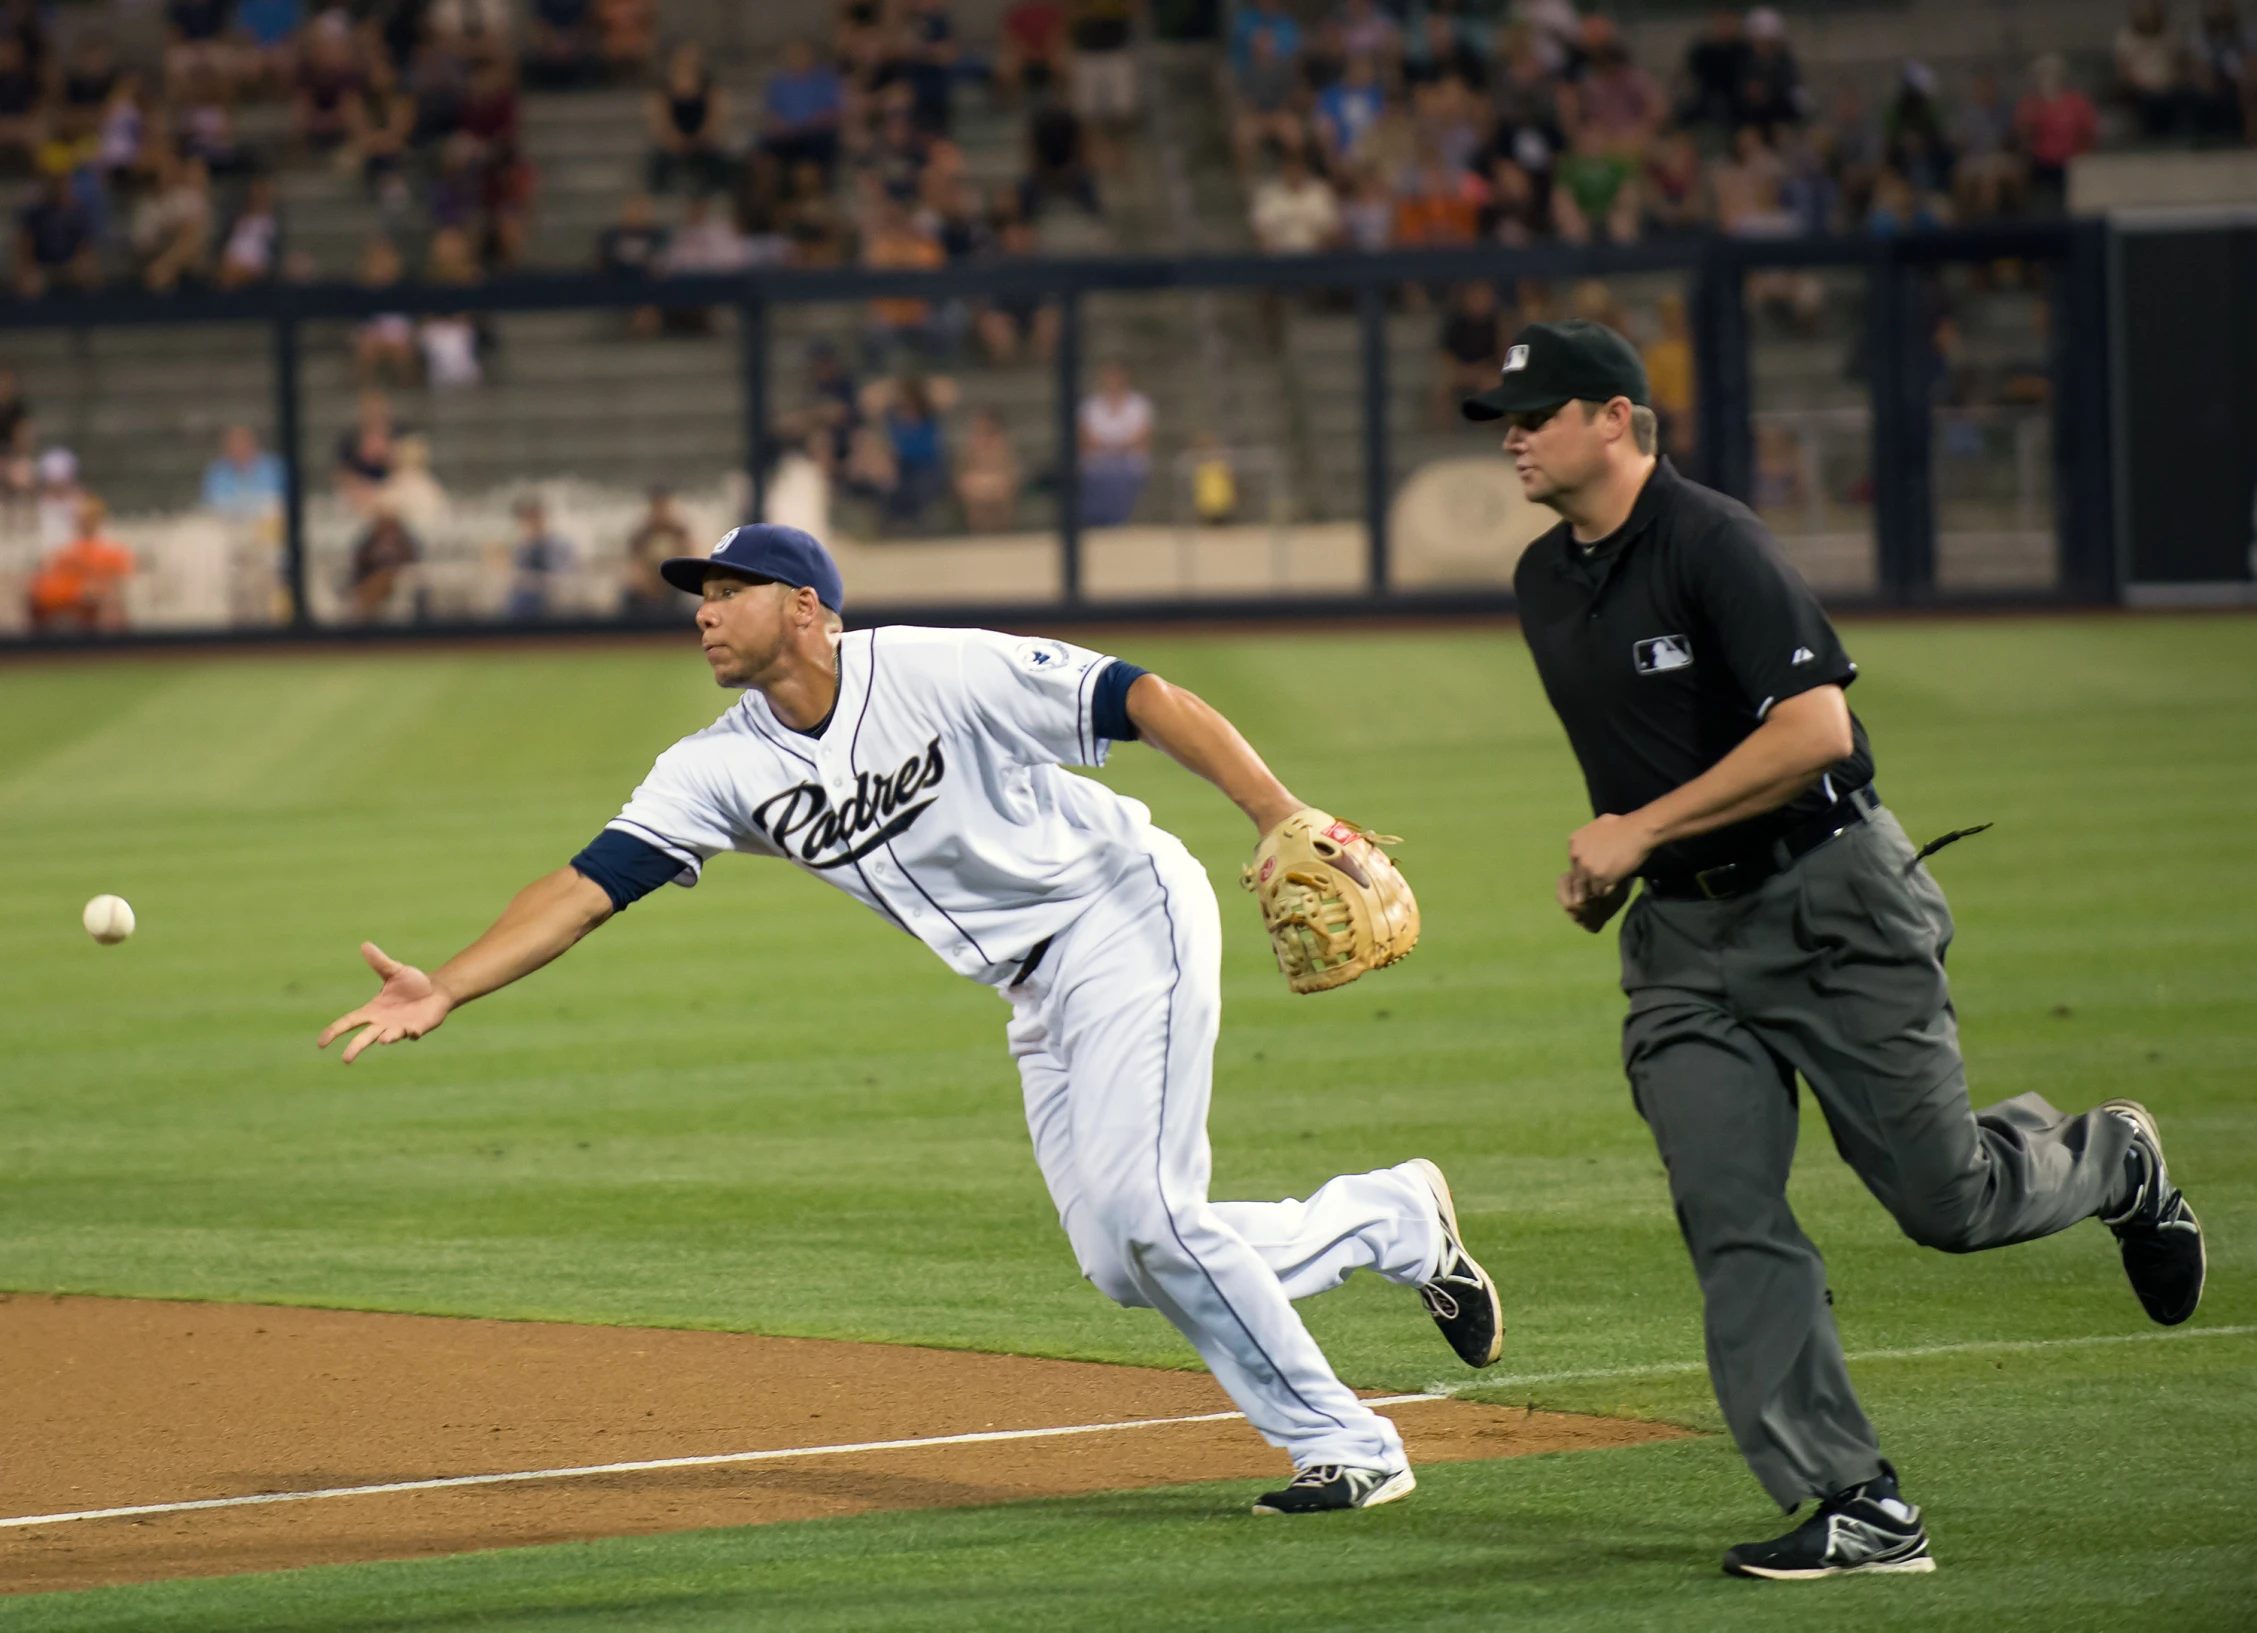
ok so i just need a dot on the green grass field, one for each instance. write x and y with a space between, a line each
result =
754 1106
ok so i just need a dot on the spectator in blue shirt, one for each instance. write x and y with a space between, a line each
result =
245 482
267 29
801 116
542 556
1254 18
912 425
1346 110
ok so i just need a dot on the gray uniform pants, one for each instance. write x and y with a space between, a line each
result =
1833 969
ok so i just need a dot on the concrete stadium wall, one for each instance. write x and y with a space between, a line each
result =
2112 183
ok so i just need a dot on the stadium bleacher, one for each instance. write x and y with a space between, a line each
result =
1271 384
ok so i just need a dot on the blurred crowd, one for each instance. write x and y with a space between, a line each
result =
903 446
852 161
1355 124
1430 123
843 156
145 170
383 479
1359 123
850 157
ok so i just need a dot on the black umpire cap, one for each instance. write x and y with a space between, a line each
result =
1548 364
782 555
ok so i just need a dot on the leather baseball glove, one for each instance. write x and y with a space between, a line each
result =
1334 903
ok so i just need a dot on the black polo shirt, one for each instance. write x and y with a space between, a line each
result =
1667 642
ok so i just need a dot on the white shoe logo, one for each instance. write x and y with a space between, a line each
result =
1852 1542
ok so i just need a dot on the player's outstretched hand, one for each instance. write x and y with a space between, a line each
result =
409 1005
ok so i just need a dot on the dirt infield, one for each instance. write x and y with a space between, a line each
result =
119 1402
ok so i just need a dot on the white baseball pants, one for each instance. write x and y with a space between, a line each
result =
1114 1034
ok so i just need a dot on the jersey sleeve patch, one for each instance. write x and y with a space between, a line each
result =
1034 696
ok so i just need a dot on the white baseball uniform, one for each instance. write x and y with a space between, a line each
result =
934 796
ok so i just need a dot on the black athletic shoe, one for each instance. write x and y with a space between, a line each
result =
1461 1298
1323 1487
2157 1233
1866 1528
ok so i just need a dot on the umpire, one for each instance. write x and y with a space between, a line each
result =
1786 927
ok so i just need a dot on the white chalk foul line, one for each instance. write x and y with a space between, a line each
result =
449 1481
1437 1393
1981 1346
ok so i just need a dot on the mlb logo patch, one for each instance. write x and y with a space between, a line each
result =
1662 653
1516 359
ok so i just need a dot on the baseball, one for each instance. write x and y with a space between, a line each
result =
108 919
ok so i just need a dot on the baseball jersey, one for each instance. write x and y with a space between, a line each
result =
933 794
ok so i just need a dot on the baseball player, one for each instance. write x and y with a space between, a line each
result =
1785 926
918 771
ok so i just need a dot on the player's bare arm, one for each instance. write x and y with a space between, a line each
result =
1333 901
755 633
541 922
1778 761
1190 732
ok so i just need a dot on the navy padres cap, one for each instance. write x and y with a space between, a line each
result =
1548 364
783 555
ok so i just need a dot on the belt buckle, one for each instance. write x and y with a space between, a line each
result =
1702 878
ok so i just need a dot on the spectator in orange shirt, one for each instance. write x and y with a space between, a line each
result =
2054 124
81 585
1438 206
895 243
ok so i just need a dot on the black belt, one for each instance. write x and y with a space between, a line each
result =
1033 960
1743 874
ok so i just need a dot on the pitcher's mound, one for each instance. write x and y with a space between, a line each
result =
122 1403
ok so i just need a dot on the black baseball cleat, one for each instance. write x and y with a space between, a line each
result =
1866 1528
1461 1298
1322 1488
2157 1233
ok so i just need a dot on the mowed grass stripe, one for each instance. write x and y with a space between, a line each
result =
1982 1346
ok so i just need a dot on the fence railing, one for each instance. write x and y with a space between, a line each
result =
2057 453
